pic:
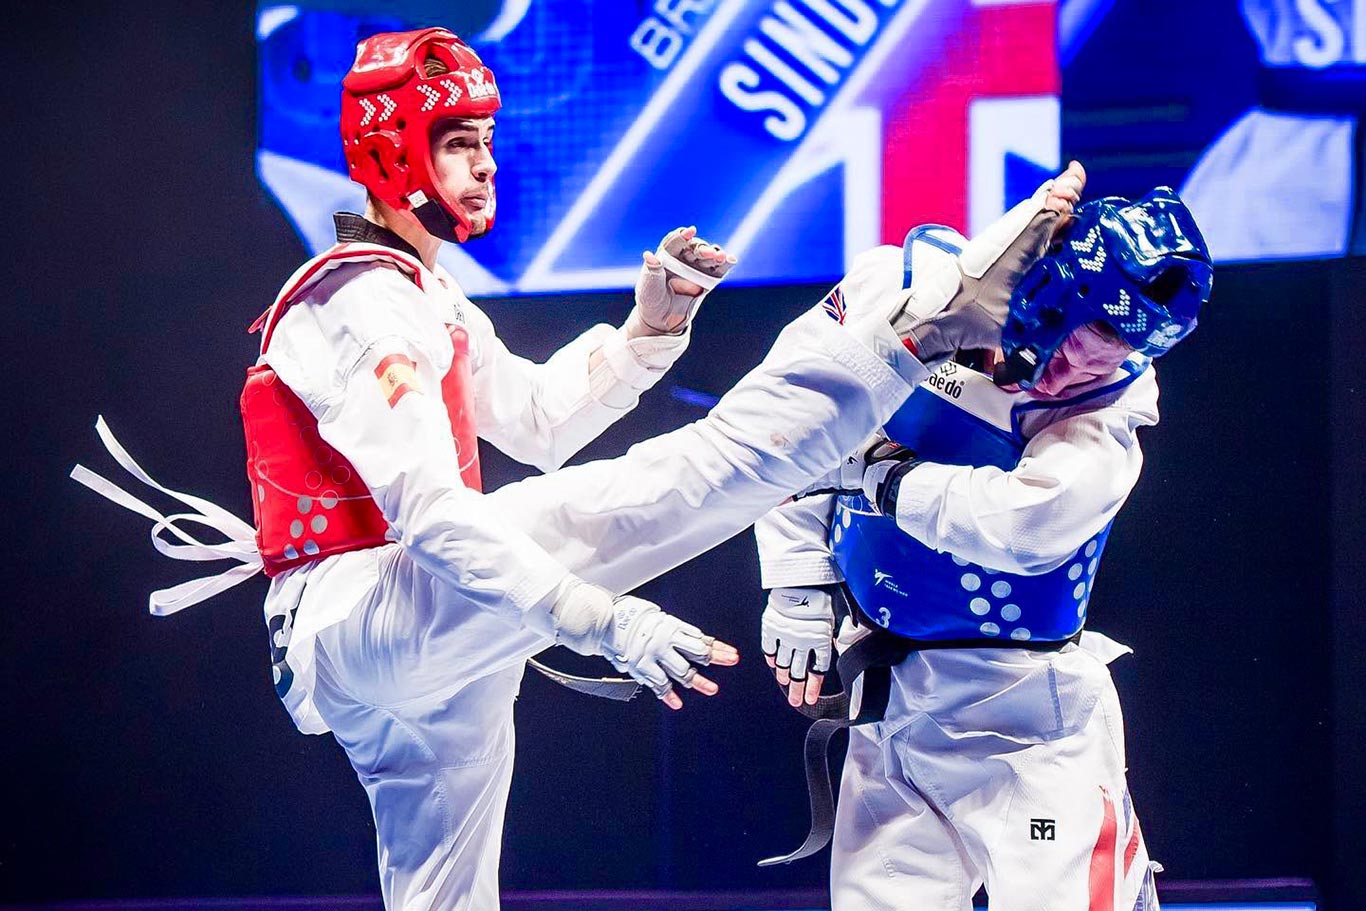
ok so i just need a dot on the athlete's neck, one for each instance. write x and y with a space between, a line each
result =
406 227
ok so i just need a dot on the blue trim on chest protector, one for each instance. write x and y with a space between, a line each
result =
924 234
924 594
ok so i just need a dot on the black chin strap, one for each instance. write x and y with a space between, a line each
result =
437 221
1017 368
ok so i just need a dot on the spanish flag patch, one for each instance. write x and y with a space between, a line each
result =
397 376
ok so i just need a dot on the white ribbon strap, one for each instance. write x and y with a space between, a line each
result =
241 537
681 269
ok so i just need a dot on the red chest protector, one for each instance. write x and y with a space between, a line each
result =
308 501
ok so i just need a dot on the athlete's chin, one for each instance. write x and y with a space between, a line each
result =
480 224
1056 380
1064 382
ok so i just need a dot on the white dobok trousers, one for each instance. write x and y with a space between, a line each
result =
1002 767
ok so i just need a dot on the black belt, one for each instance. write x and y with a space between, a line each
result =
871 659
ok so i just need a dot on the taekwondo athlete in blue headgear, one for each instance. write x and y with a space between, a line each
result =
1141 270
966 559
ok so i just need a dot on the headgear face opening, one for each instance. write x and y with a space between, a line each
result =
389 107
1140 268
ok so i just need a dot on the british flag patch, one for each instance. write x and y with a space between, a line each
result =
834 305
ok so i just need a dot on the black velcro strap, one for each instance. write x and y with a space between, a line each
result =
891 486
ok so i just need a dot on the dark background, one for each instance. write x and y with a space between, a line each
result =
149 758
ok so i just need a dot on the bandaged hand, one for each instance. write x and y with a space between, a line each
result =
674 280
1065 193
797 633
960 302
654 648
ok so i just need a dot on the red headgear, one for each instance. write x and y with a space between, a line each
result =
388 108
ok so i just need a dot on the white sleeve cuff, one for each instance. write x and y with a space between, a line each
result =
651 349
632 365
801 571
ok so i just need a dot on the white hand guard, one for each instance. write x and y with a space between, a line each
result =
799 624
660 310
633 634
960 301
655 647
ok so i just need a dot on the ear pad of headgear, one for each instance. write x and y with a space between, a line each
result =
379 165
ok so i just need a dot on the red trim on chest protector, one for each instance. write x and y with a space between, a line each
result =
268 320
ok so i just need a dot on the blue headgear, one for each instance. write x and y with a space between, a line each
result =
1141 268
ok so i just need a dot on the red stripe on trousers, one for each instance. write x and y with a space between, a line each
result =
1103 860
1131 849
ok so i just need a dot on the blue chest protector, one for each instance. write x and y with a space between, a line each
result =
959 417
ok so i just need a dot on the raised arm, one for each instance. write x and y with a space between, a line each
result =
542 414
1074 476
833 376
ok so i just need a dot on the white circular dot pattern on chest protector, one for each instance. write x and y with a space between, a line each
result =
979 606
1020 635
971 581
1074 572
1079 591
1010 613
959 560
990 629
1001 588
1091 570
1091 549
296 528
